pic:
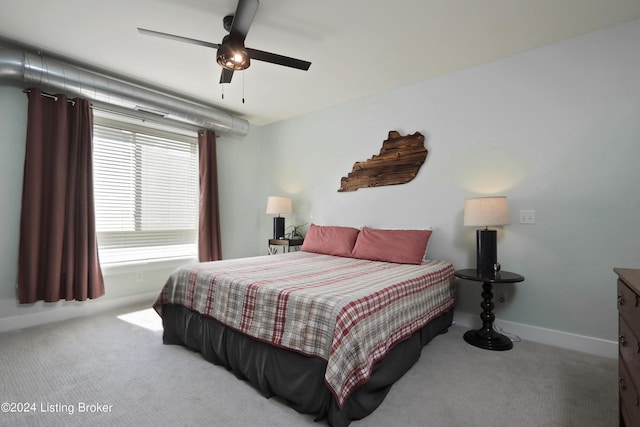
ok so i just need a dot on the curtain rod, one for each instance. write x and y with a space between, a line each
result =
48 95
139 115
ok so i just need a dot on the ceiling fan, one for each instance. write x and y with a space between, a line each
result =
232 55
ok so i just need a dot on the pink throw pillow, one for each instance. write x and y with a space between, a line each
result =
330 240
400 246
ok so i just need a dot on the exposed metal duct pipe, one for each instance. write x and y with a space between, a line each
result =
50 74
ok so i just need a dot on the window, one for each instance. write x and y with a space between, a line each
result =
146 193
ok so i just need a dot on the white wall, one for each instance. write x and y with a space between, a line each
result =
13 128
556 129
241 178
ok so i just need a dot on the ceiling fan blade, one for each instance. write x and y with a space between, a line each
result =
274 58
177 38
242 19
226 76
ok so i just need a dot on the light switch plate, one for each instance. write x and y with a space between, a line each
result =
528 216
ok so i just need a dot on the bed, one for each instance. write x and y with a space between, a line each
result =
328 334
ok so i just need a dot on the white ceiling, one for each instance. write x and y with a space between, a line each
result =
357 47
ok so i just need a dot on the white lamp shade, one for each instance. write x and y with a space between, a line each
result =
486 211
278 205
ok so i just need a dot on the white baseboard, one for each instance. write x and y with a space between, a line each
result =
581 343
69 310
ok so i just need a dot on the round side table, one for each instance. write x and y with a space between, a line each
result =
487 337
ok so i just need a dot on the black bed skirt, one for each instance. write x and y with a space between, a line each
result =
297 378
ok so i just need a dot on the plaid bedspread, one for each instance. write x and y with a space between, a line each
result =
347 311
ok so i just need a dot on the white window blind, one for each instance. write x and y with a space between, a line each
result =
146 193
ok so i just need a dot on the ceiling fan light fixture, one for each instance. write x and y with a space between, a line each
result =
233 56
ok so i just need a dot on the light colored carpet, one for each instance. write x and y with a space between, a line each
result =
105 360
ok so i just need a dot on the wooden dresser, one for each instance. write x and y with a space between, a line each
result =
629 345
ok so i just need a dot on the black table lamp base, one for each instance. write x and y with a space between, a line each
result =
278 227
487 257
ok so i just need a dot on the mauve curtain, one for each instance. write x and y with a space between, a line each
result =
209 247
58 257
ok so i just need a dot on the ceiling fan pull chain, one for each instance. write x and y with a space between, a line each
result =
243 88
222 90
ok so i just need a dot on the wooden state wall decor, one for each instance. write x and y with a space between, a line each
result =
398 162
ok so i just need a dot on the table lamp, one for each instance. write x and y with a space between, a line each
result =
278 206
486 212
